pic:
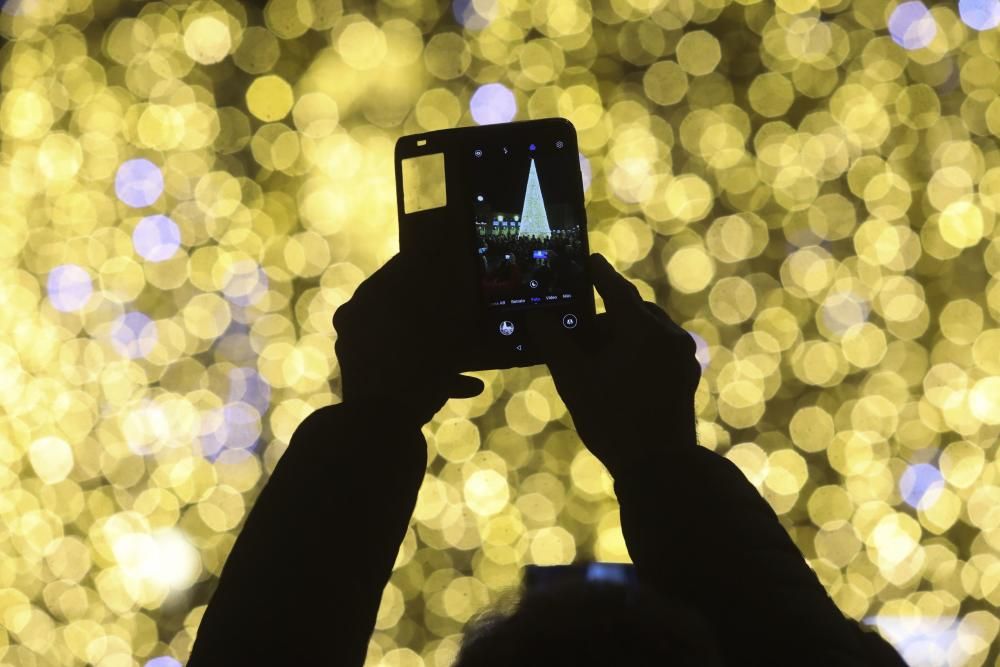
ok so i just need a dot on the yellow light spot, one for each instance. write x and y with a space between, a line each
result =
51 459
698 52
553 546
362 45
689 197
665 82
771 94
962 224
270 98
829 504
486 492
690 269
984 399
207 316
811 429
25 114
207 40
456 439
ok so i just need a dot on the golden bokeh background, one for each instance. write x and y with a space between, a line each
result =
188 190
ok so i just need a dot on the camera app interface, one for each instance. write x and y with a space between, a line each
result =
530 230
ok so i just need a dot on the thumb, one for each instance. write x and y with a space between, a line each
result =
464 386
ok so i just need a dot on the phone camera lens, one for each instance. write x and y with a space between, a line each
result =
560 144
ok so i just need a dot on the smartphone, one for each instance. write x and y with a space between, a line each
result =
502 206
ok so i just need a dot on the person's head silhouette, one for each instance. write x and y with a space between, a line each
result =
587 623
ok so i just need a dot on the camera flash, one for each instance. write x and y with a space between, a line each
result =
479 198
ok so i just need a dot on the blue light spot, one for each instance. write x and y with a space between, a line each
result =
493 103
139 183
980 14
245 283
616 573
930 640
69 287
133 335
246 385
918 481
234 427
163 661
702 353
474 14
156 238
912 25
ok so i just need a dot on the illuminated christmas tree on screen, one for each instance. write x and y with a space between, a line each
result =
534 221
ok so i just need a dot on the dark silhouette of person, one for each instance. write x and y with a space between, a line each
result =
721 582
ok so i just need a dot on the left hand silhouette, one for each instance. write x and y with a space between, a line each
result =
396 343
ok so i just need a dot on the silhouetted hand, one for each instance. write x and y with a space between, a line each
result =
395 344
631 393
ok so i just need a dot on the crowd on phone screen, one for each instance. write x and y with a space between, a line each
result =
510 262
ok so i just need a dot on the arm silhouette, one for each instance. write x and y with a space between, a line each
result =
303 582
696 529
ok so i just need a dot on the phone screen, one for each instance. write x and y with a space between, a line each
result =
530 228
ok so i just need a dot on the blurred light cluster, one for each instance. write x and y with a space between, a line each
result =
189 189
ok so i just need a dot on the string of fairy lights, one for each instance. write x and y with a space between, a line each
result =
190 188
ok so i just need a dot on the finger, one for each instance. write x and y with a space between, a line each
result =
372 290
666 321
675 329
340 317
465 386
561 353
663 317
621 298
603 328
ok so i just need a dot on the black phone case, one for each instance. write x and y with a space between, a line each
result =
446 235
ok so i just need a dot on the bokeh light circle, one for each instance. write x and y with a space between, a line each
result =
245 283
133 335
912 25
69 287
139 183
919 482
156 238
980 14
474 14
207 40
493 103
270 98
163 661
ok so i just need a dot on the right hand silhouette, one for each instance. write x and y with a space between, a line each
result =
631 391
